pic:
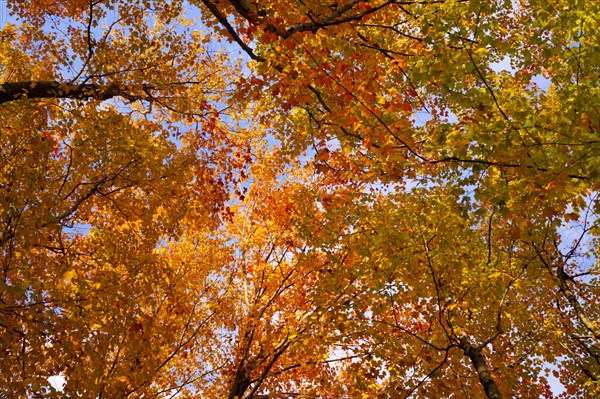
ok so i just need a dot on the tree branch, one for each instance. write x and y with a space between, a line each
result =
13 91
230 29
481 367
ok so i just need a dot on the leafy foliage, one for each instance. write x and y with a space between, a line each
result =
379 199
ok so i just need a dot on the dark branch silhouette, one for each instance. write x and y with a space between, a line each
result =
13 91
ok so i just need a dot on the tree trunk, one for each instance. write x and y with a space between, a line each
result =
483 372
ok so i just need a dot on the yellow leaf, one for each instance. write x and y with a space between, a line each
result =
68 276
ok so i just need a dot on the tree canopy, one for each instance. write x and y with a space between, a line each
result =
300 199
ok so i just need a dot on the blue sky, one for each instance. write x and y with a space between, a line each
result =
234 49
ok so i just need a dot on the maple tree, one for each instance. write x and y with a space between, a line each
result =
380 199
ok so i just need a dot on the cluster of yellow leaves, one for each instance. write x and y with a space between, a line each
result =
367 208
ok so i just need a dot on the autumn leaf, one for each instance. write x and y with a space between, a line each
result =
299 199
